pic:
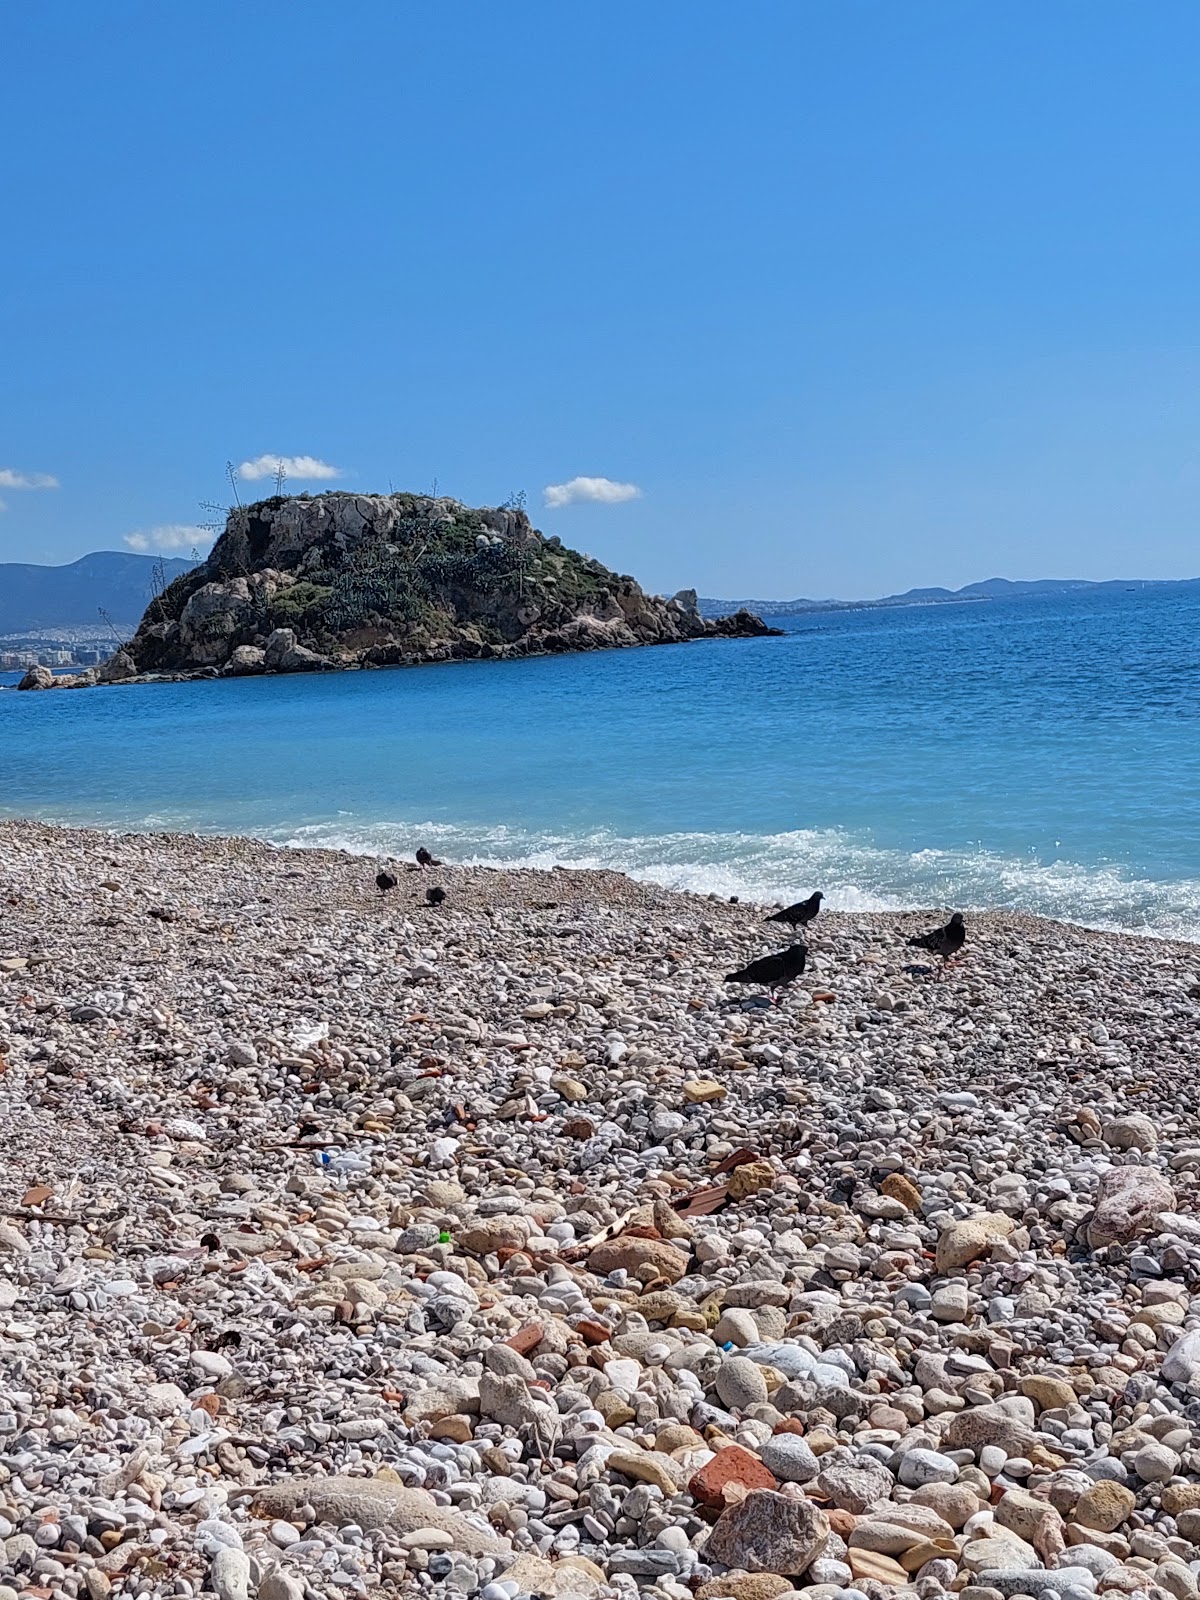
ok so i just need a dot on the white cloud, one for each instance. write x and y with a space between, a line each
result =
10 478
305 468
171 536
604 491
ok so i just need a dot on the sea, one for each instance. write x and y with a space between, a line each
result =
1039 754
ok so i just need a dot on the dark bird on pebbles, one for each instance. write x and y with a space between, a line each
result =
385 881
773 972
945 942
435 896
801 914
426 858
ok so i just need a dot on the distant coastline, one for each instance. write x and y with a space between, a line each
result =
989 589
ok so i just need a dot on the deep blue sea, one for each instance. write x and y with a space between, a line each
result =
1042 754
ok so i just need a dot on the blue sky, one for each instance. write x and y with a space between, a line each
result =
858 295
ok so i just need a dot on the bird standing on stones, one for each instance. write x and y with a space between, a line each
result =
945 942
435 896
385 881
426 858
801 914
773 972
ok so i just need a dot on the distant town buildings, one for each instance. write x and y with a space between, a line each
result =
15 660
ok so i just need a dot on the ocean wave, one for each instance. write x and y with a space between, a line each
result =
855 874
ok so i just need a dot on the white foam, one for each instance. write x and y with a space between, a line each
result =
855 874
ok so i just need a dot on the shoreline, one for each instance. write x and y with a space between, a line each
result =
642 878
505 1242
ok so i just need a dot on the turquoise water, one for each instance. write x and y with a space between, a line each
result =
1042 754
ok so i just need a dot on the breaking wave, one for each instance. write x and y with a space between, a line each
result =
855 874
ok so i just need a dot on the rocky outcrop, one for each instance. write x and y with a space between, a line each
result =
282 654
309 584
37 678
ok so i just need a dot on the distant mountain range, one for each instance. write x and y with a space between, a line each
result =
114 581
989 589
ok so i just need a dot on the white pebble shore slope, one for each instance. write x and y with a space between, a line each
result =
350 1246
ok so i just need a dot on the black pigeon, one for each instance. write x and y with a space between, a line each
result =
945 942
426 859
435 896
801 914
773 972
385 881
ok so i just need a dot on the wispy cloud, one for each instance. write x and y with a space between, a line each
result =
304 468
170 536
10 478
603 491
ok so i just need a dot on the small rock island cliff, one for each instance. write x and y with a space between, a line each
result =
310 583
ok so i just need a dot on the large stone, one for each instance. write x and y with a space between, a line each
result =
119 668
1032 1519
506 1399
741 1384
737 1326
984 1425
919 1467
488 1234
245 661
1181 1364
757 1292
855 1486
1129 1202
955 1503
1047 1393
749 1178
960 1244
210 619
1177 1578
279 1585
744 1586
1177 1497
999 1550
37 678
1134 1132
769 1532
630 1253
789 1458
450 1396
649 1466
893 1529
1105 1505
373 1503
229 1575
1035 1580
879 1568
283 654
898 1187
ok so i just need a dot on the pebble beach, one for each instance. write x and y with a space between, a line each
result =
350 1246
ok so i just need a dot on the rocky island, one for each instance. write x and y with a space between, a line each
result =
313 583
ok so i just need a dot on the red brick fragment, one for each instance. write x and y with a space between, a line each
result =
732 1465
592 1332
527 1338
